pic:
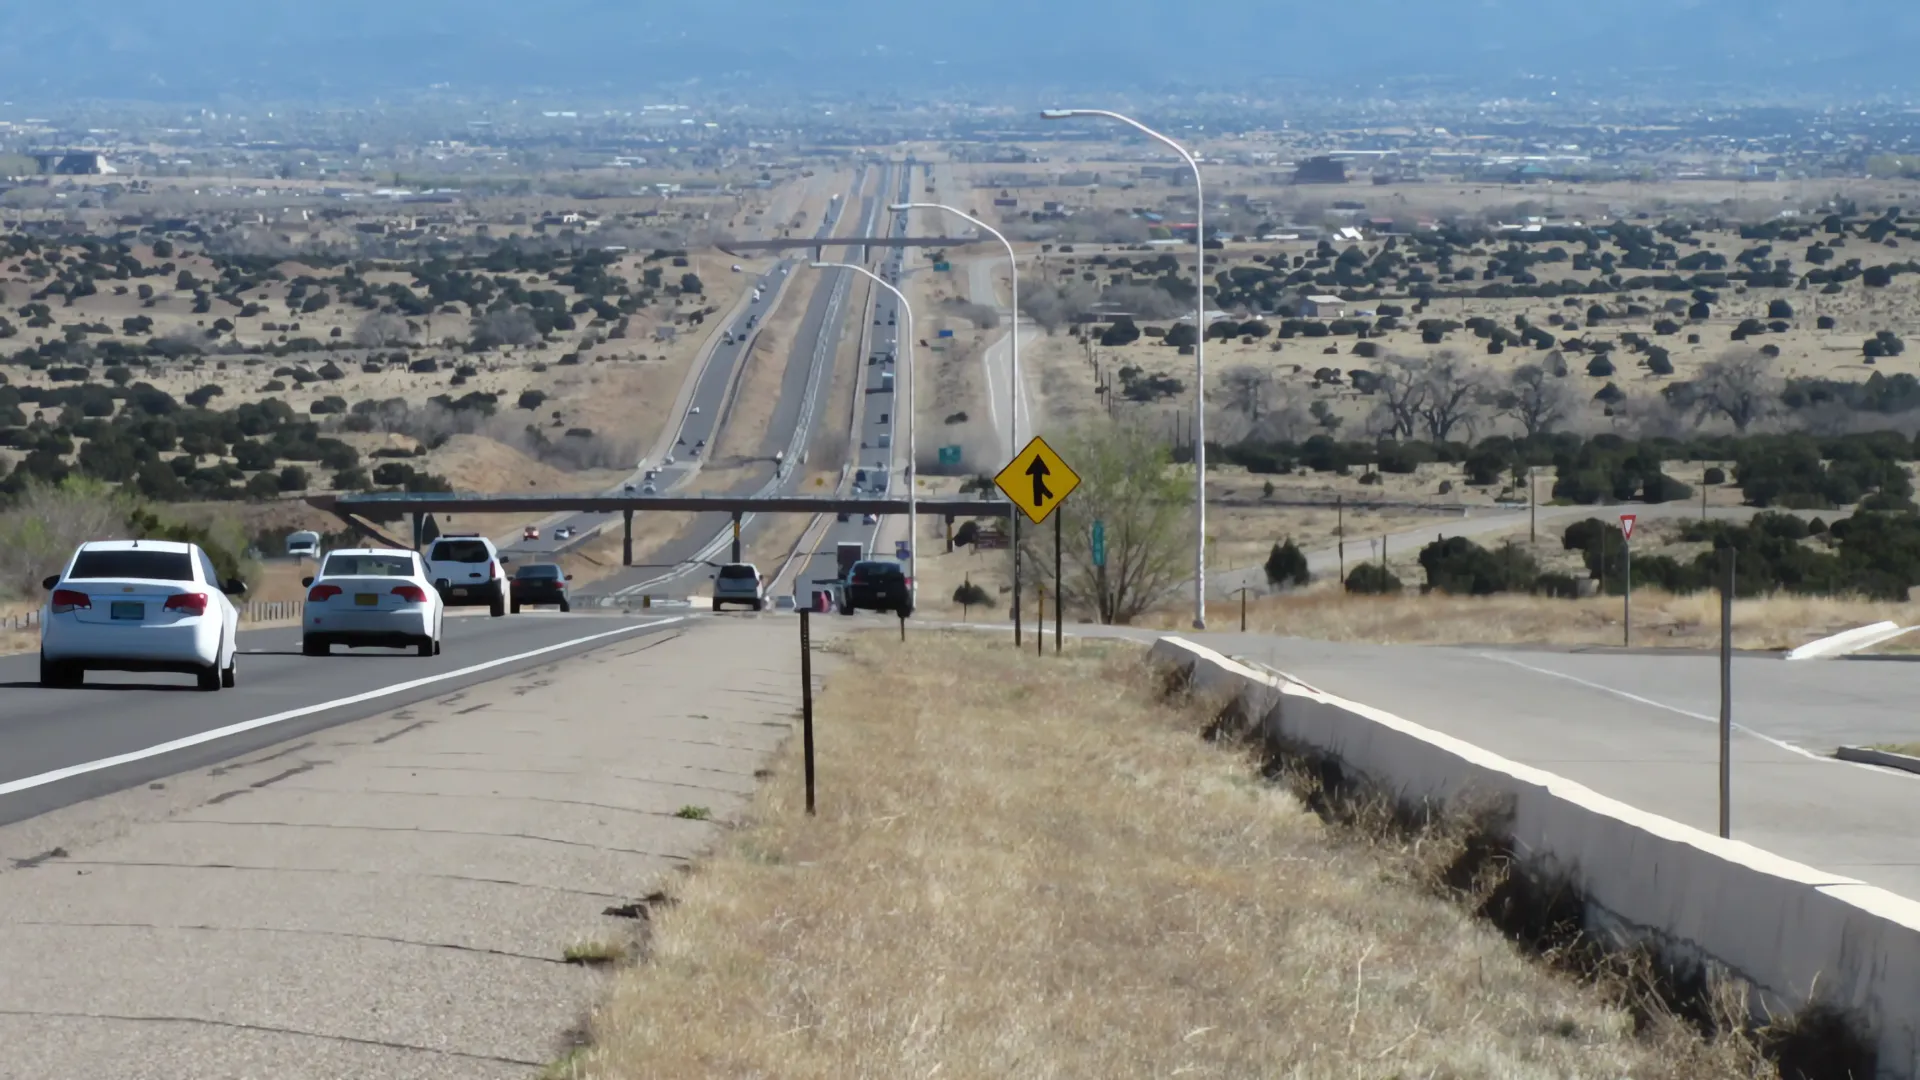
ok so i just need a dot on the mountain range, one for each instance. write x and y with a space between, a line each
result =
991 50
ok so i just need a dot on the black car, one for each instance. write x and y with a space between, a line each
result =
874 585
540 583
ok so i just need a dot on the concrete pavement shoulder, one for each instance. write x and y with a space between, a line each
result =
394 897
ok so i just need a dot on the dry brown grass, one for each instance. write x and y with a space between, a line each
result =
1026 867
1659 619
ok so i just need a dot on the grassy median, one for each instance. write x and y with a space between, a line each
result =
1034 867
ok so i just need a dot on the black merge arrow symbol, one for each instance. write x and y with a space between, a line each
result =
1038 470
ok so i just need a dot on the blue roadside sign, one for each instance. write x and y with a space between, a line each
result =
1099 543
949 455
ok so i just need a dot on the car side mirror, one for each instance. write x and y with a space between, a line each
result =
235 587
50 581
569 577
306 582
504 560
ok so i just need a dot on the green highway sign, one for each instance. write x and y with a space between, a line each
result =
949 455
1099 543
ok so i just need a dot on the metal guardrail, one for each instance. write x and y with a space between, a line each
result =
253 611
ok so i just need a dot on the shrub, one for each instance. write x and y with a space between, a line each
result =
970 595
1287 565
1372 579
1460 567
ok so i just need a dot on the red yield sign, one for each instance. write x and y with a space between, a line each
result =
1626 526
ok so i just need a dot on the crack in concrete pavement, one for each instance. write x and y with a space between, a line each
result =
200 928
55 1014
442 832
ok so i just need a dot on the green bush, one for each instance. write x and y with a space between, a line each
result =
1372 579
1459 567
971 595
1287 565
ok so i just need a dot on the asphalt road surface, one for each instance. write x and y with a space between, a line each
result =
878 423
676 567
59 747
698 431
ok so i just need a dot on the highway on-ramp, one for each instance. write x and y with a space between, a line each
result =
1641 726
59 747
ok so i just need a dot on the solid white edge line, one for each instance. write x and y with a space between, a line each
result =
71 771
1637 699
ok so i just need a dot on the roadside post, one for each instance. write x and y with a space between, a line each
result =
1626 586
1243 591
1059 609
1040 622
1340 530
1037 482
1013 533
1726 696
806 698
1100 567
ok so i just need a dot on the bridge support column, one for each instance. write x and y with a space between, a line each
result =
626 538
736 536
419 526
949 534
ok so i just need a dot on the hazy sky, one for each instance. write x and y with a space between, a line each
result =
188 49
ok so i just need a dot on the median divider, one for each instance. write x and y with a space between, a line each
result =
1798 936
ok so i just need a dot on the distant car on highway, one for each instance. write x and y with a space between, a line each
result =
303 545
648 490
564 532
736 268
738 583
541 583
695 410
139 605
628 488
531 532
869 519
670 459
875 585
467 571
372 598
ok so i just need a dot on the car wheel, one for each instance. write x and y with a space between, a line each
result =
906 611
54 674
425 647
846 609
498 607
436 646
208 678
759 605
231 676
565 606
516 607
314 647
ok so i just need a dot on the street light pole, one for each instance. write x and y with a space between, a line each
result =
1199 348
1013 267
910 390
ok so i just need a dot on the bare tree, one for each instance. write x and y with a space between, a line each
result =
1145 301
1247 388
1536 399
47 522
380 330
1124 482
1739 386
1053 306
1455 389
1402 390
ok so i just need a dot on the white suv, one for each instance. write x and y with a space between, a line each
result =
738 583
139 605
466 571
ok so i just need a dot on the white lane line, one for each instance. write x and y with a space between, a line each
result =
1649 702
117 760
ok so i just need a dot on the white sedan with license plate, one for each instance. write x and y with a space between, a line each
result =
372 598
139 605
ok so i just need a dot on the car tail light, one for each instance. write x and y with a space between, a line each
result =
412 594
65 600
493 570
322 593
192 603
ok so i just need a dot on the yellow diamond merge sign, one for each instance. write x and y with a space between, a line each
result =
1037 480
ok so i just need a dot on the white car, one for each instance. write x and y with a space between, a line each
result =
695 411
372 598
465 569
139 605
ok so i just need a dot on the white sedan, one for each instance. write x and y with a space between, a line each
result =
139 605
372 598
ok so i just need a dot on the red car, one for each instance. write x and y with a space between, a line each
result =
532 533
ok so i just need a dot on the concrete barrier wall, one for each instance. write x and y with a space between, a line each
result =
1794 932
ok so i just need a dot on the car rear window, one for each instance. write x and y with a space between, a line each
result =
537 570
460 551
736 572
368 566
131 563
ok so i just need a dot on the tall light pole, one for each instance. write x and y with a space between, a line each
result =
1199 349
910 387
1013 267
